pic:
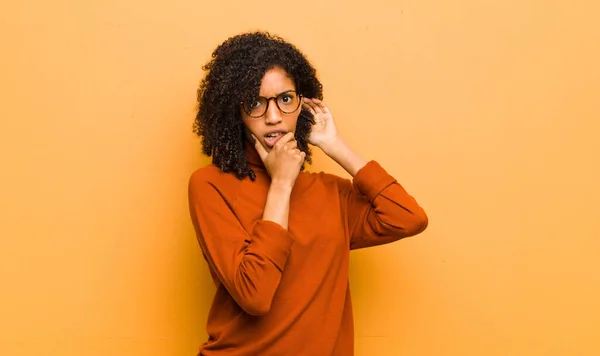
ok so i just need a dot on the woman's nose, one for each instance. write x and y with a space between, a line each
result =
273 115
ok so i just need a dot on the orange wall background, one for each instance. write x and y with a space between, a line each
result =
487 111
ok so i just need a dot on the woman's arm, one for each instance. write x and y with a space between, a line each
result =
378 209
344 155
249 265
324 135
283 164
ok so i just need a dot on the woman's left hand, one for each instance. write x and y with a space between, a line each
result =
323 131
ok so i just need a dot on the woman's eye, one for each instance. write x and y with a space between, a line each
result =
286 99
254 104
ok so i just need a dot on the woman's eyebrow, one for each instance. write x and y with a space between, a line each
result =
276 95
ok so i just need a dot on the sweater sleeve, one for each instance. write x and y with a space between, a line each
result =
249 265
379 210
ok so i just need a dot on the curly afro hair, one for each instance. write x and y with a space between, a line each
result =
234 74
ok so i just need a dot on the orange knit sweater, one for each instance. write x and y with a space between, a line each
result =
286 292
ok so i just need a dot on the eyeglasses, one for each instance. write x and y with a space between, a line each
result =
287 102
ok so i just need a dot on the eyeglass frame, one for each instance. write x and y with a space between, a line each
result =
276 104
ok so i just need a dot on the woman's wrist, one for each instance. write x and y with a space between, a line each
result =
281 186
344 155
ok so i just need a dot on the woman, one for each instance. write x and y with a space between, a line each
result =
277 239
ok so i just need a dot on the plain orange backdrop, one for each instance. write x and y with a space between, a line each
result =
487 111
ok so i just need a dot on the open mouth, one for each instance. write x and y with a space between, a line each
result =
272 138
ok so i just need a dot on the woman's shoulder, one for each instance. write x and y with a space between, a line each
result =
211 176
208 172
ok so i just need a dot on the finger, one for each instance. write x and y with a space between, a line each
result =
291 144
296 153
321 104
307 100
285 139
309 107
317 116
315 104
260 149
317 108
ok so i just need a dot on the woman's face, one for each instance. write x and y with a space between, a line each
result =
273 124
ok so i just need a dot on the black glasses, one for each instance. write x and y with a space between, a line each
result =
287 102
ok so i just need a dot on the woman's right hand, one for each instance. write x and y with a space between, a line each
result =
284 161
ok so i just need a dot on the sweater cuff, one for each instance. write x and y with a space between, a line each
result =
372 179
273 241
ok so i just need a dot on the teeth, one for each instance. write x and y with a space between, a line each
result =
273 135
